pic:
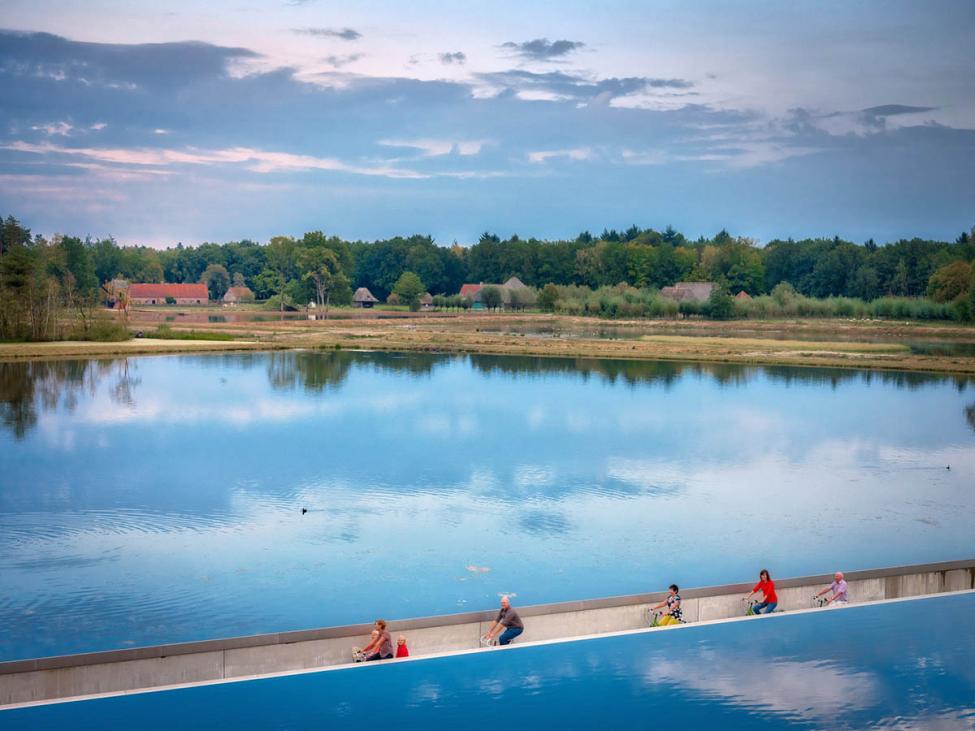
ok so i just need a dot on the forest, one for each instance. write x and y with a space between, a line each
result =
38 276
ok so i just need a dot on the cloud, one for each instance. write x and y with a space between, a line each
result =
542 49
577 153
806 690
345 34
644 157
860 122
457 57
174 108
340 61
437 147
258 161
54 128
561 86
890 110
149 66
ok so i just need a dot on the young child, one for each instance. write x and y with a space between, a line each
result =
401 649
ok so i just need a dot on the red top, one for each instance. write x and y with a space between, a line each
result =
768 591
401 651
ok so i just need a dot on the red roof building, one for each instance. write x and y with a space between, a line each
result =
469 290
156 294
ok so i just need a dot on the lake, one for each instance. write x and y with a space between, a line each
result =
159 499
901 666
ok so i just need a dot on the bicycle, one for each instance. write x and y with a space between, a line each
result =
653 618
752 603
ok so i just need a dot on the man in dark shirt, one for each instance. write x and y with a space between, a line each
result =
508 619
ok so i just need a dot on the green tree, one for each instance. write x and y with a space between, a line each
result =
950 281
321 265
491 297
866 283
270 283
238 280
720 304
217 280
548 297
900 284
519 299
79 284
409 288
12 234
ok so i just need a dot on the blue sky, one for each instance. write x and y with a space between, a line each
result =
181 121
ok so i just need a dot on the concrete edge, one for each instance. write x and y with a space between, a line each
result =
283 638
456 653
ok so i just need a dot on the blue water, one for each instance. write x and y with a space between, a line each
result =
158 499
903 665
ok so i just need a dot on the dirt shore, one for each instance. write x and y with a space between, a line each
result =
848 343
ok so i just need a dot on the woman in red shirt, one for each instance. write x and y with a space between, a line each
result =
769 600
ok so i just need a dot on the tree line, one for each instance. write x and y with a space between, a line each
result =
287 270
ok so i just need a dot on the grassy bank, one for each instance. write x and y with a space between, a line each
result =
803 342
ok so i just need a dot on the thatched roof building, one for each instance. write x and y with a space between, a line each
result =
689 291
236 295
363 298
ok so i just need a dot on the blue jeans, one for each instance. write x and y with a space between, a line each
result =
509 634
768 608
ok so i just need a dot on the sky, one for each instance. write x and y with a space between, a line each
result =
165 122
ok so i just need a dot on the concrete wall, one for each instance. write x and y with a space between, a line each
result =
141 668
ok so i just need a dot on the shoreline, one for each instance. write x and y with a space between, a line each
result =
815 343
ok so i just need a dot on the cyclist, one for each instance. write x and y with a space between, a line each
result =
837 590
769 598
672 615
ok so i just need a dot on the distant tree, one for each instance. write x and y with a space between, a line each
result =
78 280
866 283
270 283
12 234
784 294
238 280
548 297
521 298
217 280
720 304
409 288
322 266
950 281
900 284
491 297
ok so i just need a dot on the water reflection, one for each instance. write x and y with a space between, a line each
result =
28 388
159 499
